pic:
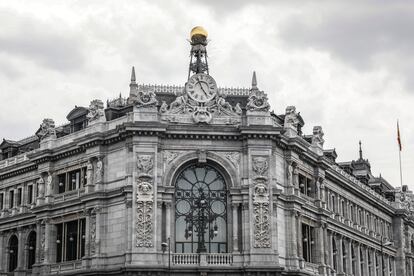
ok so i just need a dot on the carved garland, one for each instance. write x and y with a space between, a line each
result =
145 201
261 203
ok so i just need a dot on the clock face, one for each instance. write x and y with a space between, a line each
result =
201 88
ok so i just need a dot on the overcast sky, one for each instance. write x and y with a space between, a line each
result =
346 65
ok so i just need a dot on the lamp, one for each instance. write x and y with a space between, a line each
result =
58 241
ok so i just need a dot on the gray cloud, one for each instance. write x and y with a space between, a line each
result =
50 46
365 36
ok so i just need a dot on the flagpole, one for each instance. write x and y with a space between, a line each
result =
399 151
399 154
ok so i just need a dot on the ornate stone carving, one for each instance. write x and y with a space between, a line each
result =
169 156
41 187
317 137
238 109
260 165
96 111
89 173
257 100
163 107
92 227
292 173
261 202
42 241
144 97
145 165
145 201
49 182
47 129
185 107
99 170
291 118
233 156
261 213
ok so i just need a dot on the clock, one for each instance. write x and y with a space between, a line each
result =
201 88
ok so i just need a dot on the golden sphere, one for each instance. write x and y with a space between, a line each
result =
198 30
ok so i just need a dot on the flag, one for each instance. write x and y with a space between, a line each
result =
398 136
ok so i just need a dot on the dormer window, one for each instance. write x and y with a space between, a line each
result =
77 118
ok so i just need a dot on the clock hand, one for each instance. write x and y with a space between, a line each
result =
203 89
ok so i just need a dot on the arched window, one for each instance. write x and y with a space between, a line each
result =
13 252
31 242
201 211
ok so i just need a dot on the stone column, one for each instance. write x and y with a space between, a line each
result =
21 251
366 260
340 255
350 268
328 250
130 227
47 242
320 247
357 271
98 230
49 187
374 262
168 220
299 239
2 252
386 265
38 238
235 228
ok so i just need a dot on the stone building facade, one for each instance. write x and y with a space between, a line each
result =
195 180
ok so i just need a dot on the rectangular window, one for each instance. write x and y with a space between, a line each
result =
62 183
11 199
1 201
306 185
70 240
308 242
19 197
72 180
30 194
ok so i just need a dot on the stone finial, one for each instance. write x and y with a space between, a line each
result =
360 150
257 99
254 80
133 78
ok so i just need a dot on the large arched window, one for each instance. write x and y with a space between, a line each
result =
31 242
13 252
201 211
